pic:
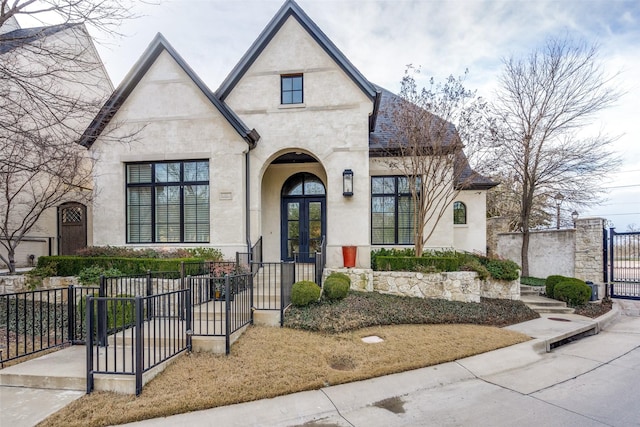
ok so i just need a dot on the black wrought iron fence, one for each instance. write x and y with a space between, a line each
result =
136 341
221 305
35 321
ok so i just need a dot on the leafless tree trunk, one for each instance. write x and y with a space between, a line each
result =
543 102
52 84
427 147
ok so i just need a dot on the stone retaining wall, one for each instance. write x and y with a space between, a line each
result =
462 286
18 283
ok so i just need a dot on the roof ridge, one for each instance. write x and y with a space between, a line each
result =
137 72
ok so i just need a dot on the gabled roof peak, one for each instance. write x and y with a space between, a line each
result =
291 9
131 80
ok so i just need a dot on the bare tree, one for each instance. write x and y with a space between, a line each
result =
544 100
504 201
52 83
428 125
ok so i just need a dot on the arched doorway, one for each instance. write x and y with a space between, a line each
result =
303 217
72 227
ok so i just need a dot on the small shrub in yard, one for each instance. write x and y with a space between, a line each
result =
35 275
336 288
90 276
551 283
572 291
341 276
304 293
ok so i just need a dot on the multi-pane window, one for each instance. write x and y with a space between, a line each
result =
168 202
291 89
459 213
392 211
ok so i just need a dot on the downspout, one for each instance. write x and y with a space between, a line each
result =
247 198
252 140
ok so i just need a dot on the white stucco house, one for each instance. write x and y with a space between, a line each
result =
288 149
53 83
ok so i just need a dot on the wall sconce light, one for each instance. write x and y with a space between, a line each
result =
347 183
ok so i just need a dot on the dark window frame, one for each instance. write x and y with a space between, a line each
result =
398 196
291 91
457 208
153 184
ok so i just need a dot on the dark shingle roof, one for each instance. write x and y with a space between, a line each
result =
386 134
22 36
115 101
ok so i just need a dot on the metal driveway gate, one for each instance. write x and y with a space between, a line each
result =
624 264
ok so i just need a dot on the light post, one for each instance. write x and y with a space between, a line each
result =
559 198
574 217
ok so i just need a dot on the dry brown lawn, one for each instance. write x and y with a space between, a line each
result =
268 362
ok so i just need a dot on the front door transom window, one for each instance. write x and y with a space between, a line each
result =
302 217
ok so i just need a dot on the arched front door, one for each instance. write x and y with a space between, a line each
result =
302 217
72 227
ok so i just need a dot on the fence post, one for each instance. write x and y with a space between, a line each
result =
188 309
139 354
150 311
71 313
181 274
227 304
89 342
102 312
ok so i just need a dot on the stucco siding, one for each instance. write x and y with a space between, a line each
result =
174 121
472 236
331 126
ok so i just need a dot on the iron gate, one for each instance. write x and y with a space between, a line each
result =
624 264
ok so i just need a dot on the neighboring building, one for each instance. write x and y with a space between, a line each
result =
264 157
74 71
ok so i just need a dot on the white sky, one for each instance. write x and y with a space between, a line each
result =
443 37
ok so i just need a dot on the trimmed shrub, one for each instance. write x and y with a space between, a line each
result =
341 276
72 265
572 291
336 287
551 282
90 276
502 269
423 264
473 264
304 293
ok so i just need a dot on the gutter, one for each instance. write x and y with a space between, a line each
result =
253 138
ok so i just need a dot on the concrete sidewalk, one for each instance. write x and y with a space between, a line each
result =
399 399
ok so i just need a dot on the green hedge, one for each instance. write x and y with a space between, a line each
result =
73 265
572 291
391 263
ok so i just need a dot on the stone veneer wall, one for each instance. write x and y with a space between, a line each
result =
453 286
18 283
589 261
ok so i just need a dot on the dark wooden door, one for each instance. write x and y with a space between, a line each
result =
72 227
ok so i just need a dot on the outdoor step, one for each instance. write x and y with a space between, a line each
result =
550 309
66 369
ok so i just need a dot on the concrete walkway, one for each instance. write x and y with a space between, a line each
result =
402 399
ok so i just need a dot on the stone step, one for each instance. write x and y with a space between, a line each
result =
550 309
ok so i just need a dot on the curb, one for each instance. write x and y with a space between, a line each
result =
609 318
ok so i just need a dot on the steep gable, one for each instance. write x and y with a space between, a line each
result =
139 70
288 10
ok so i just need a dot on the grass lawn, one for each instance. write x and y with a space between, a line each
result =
267 362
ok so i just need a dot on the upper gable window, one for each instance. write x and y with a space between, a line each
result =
291 89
